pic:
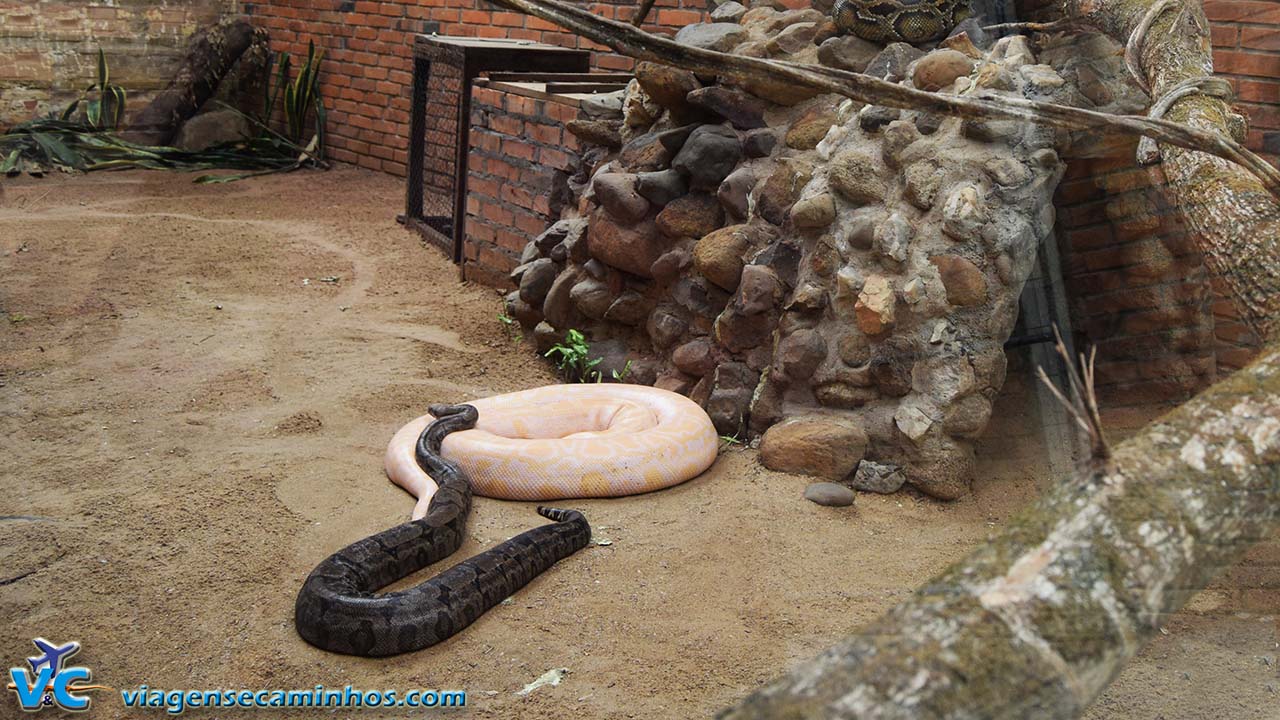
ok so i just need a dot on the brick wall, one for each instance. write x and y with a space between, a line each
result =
368 71
1137 285
49 48
520 163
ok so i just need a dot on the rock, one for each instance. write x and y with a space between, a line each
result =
921 181
973 28
595 132
940 68
783 258
708 157
523 312
809 129
809 297
815 211
575 239
899 136
912 421
696 357
596 269
914 290
739 332
943 379
664 328
778 91
718 36
729 12
632 247
793 39
758 290
877 477
644 153
731 388
667 85
661 187
964 282
891 63
1007 172
676 382
692 216
759 143
775 196
1041 79
893 238
560 231
944 468
961 43
743 111
545 336
928 123
718 256
630 308
968 417
847 52
829 494
827 446
857 178
874 310
873 117
604 105
558 309
592 297
216 127
965 213
536 281
704 300
670 264
734 191
991 131
673 140
638 109
530 253
861 228
616 192
853 347
800 353
1094 86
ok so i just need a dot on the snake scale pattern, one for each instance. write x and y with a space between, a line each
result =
338 608
909 21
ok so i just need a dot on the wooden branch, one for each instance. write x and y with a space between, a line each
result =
638 44
642 12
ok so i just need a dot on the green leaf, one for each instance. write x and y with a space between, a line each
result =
66 114
10 165
93 112
103 77
57 151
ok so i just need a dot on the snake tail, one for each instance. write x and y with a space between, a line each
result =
339 609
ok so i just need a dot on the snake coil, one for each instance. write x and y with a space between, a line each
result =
337 609
909 21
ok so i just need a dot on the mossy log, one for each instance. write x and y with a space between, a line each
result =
210 55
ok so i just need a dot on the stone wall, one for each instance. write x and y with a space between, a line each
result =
49 48
837 279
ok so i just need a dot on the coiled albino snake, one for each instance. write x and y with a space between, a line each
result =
559 441
567 441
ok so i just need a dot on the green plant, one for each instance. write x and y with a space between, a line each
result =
572 358
301 96
105 111
510 326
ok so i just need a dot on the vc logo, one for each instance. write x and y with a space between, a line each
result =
50 682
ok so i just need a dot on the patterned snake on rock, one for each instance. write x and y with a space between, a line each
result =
338 610
909 21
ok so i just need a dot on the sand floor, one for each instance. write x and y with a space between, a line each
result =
196 387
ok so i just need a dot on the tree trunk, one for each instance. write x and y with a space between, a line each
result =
210 55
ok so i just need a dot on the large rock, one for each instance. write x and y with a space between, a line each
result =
730 397
718 256
847 52
718 36
707 158
809 129
213 128
592 297
857 177
827 446
696 357
661 187
743 111
536 280
814 212
965 283
617 193
668 86
632 247
940 68
691 216
875 311
877 477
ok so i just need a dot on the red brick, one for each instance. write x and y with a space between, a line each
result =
1250 11
1248 63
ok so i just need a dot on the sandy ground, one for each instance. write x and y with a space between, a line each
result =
196 387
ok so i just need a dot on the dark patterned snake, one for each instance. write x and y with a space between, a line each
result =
338 610
909 21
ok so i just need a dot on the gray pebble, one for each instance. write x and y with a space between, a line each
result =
830 494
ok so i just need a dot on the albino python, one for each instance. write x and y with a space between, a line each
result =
909 21
558 441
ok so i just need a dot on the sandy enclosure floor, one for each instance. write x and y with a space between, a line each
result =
196 388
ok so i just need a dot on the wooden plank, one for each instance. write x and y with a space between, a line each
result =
585 87
528 77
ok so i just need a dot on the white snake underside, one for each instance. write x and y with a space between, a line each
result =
909 21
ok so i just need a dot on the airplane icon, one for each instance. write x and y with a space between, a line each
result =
54 656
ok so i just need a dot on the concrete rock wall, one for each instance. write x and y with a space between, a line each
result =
836 278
